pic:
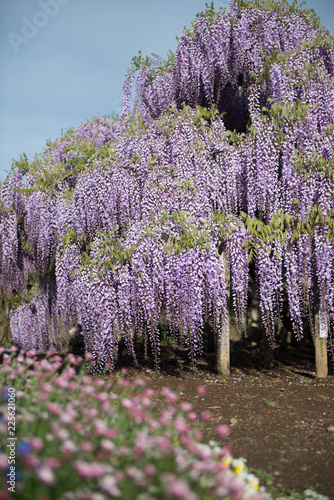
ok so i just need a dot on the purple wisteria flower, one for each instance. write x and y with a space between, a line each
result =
229 143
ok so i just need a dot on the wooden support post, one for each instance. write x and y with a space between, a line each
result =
320 343
320 334
223 344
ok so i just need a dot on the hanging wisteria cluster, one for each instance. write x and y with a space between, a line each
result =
225 147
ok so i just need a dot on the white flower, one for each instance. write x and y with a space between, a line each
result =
69 446
45 474
109 484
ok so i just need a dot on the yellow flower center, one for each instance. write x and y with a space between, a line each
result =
238 469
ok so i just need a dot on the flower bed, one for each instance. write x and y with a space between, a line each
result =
83 437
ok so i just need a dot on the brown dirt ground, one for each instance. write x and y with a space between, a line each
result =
283 414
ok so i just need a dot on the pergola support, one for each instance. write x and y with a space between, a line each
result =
223 343
320 343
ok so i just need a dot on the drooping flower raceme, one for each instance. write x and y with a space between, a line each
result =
228 144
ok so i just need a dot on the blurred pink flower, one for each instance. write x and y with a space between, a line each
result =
46 387
201 390
136 475
30 461
68 417
54 408
100 426
206 416
62 434
81 495
106 407
126 403
139 382
61 382
28 417
86 447
72 386
36 443
223 431
89 469
181 425
3 462
190 444
185 406
198 435
153 425
70 372
138 450
92 412
146 402
199 468
148 392
69 447
53 462
178 488
165 417
57 358
109 485
107 445
163 444
111 433
97 496
137 414
45 474
88 389
169 394
204 453
102 397
149 470
77 427
236 486
119 475
124 383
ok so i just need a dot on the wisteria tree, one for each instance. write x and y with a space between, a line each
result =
221 162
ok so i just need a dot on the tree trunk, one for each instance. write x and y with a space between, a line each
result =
5 336
268 353
257 332
255 322
223 344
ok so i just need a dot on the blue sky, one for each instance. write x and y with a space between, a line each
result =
64 61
